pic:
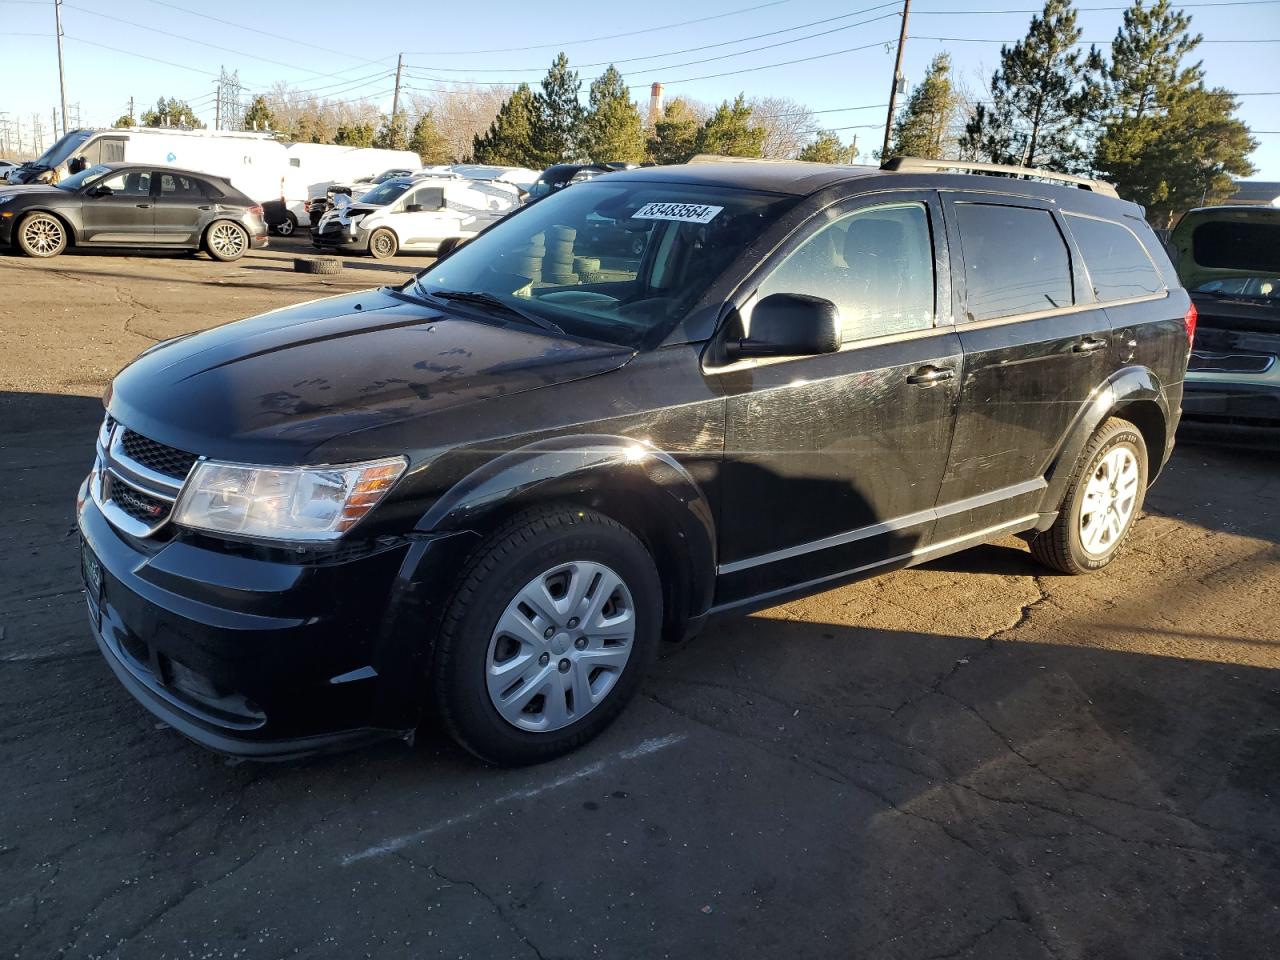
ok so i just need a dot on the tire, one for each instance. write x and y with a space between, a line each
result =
383 244
324 265
287 226
226 241
541 549
1103 499
41 235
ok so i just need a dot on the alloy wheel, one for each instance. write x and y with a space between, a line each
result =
560 646
1109 500
43 235
227 240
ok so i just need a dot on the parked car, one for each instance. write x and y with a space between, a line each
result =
413 214
1229 258
132 205
492 495
562 174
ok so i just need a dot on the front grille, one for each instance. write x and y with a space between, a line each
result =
156 456
1231 362
136 504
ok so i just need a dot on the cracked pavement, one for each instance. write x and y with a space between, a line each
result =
974 759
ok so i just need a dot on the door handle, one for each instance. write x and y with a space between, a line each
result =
927 376
1088 345
205 206
143 206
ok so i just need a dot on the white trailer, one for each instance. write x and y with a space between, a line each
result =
254 163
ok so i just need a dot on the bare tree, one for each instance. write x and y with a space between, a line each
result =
460 112
788 124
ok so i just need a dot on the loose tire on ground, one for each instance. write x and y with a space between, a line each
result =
464 659
1114 459
383 244
41 235
325 265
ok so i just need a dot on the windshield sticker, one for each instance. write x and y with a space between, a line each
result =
683 212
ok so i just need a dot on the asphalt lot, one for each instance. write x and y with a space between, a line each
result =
972 759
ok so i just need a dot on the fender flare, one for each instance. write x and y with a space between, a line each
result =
641 486
1127 385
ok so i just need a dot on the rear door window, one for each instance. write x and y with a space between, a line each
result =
1119 267
1015 261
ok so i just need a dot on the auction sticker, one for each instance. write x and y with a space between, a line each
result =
683 212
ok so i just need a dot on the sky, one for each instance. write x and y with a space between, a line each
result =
836 58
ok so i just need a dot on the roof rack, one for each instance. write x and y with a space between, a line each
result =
919 165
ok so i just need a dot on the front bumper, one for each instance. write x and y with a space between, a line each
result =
263 658
346 238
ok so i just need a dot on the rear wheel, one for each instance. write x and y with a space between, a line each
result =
286 226
226 241
544 641
1102 501
41 235
383 244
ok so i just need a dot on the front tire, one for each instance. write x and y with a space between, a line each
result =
41 235
551 627
383 244
1102 502
226 241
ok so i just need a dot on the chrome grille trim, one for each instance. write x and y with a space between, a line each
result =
114 466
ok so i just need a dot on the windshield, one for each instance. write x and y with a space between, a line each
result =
76 181
62 149
610 260
1261 288
384 193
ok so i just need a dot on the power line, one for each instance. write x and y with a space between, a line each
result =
1040 10
1078 43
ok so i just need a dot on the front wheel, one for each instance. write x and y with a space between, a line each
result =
42 235
226 241
1102 502
547 635
383 244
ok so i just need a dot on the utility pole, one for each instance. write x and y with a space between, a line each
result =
132 122
217 110
37 134
62 79
897 79
395 100
53 125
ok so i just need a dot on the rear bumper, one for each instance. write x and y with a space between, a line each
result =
1230 411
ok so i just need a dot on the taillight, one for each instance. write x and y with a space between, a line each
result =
1190 320
256 210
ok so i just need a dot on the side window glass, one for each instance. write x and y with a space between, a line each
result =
1015 261
875 265
130 183
1118 265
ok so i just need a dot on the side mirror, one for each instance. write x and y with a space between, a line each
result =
789 325
101 191
414 208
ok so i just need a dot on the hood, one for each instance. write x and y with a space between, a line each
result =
27 189
272 388
1218 243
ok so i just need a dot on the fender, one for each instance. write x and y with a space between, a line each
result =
1126 385
642 486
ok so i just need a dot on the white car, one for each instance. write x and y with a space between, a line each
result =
414 214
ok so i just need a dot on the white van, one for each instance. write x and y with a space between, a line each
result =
252 162
414 213
312 168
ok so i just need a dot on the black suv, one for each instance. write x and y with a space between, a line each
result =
492 490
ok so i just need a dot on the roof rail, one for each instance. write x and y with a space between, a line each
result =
718 158
919 165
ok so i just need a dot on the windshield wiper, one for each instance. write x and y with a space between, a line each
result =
480 298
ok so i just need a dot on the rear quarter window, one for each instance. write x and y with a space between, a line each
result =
1015 261
1118 265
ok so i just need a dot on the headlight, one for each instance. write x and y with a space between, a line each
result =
284 503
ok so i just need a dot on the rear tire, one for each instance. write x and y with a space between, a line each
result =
383 244
41 235
226 241
1102 502
287 226
570 676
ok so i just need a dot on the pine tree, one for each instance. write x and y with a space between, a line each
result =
171 112
509 139
729 132
394 132
612 129
1167 142
431 146
1043 96
258 116
675 135
558 118
921 128
352 135
827 149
